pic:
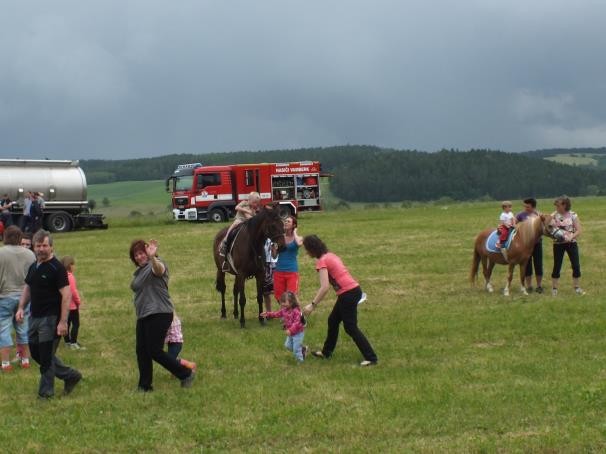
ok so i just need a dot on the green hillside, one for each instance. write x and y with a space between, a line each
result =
146 197
370 174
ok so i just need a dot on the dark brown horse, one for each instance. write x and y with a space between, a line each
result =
518 253
248 257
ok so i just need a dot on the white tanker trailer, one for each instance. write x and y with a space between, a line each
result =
64 187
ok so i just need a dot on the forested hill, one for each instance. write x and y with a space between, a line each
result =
372 174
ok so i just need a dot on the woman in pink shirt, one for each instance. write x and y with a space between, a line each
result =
333 272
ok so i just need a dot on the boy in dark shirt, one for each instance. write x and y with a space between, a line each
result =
48 288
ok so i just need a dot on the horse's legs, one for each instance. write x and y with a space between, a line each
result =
523 278
220 286
260 278
241 286
509 279
487 267
236 291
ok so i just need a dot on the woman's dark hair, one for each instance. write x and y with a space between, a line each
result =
136 246
531 201
294 221
315 246
564 200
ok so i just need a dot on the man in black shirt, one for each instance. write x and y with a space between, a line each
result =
47 285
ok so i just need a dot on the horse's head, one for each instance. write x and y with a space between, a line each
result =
551 229
548 226
273 225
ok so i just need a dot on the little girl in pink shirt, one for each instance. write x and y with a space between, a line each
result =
73 320
294 324
174 340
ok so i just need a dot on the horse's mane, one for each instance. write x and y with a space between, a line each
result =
252 224
528 230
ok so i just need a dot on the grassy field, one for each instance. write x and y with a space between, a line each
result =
586 159
460 370
149 198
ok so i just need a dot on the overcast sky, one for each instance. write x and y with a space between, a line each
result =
117 79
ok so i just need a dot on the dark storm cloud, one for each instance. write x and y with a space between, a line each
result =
117 79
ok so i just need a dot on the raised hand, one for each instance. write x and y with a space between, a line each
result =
151 248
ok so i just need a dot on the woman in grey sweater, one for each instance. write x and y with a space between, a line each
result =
154 310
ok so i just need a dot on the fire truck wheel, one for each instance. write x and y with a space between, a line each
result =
216 215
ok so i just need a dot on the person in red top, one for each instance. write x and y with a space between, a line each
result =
333 272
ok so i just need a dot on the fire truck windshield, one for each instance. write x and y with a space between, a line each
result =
183 183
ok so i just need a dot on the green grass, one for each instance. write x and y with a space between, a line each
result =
460 370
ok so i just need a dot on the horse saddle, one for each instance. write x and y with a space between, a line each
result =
493 238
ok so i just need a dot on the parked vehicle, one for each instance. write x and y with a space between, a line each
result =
211 193
63 185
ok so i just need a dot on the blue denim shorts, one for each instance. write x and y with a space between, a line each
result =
8 308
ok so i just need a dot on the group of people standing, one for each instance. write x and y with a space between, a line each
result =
32 214
567 228
156 313
35 298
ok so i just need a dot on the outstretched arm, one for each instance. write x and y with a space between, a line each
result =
158 267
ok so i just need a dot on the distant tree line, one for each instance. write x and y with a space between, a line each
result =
372 174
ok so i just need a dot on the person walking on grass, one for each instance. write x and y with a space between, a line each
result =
47 287
73 320
332 271
568 229
536 259
294 324
14 264
154 310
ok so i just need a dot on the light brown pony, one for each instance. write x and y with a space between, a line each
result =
518 253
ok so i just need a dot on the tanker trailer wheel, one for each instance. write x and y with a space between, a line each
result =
59 222
216 215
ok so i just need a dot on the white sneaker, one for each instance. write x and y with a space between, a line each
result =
579 291
554 292
362 298
366 363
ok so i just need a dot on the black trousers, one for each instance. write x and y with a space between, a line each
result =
536 259
572 249
73 325
346 311
151 332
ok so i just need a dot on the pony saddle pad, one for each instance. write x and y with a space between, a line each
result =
494 237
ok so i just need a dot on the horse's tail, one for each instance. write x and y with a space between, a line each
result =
475 265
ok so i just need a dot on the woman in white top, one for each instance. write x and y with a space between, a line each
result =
568 228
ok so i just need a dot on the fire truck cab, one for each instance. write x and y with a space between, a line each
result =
211 193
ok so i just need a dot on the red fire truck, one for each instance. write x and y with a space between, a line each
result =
211 193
